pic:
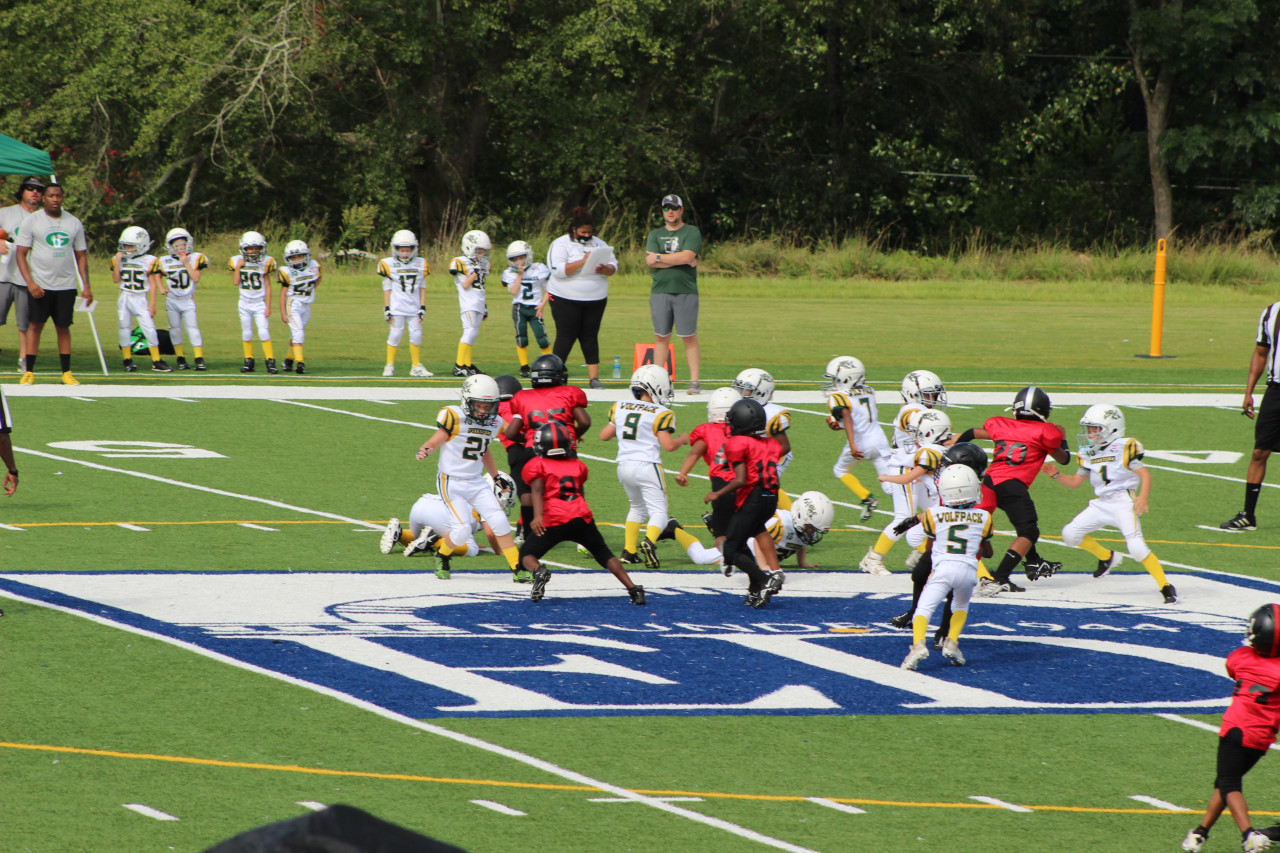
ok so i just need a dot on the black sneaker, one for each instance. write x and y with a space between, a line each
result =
247 367
459 370
706 521
299 368
669 532
271 366
181 363
1042 569
649 553
903 620
161 367
753 600
630 558
1010 586
200 364
636 593
772 587
524 372
472 370
1170 594
1241 521
540 578
288 365
939 637
1107 565
129 366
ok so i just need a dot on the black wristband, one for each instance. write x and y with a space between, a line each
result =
965 436
13 471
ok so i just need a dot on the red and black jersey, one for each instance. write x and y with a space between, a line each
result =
1255 702
534 407
1021 447
504 411
760 456
713 436
562 488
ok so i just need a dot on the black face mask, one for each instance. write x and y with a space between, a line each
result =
583 240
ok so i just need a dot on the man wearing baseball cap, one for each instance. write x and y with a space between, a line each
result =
13 290
672 253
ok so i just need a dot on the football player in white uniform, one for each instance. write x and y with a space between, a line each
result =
644 427
251 272
958 534
463 435
758 384
299 278
431 511
138 273
469 270
526 281
910 485
792 532
182 268
404 300
853 409
1112 464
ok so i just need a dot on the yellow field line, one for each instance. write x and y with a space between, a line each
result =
539 786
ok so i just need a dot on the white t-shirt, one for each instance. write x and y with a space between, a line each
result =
53 244
11 221
584 285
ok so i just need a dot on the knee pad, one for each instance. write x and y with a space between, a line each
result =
1029 531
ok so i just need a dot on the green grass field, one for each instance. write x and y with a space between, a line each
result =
94 717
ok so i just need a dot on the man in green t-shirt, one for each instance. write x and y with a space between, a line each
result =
672 253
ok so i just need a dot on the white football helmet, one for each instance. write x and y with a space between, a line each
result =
929 426
1102 424
959 486
134 242
404 246
253 246
718 405
654 381
812 514
755 383
174 236
297 254
504 489
480 398
517 250
475 242
924 387
843 373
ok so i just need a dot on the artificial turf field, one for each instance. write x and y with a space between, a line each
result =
122 709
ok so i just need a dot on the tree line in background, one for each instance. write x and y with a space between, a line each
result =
921 123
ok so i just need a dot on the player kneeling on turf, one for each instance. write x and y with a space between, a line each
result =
958 533
430 513
560 512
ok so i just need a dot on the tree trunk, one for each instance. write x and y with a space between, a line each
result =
1157 100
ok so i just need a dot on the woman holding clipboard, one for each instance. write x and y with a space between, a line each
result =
581 264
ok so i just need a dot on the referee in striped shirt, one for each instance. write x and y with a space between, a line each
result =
6 447
1266 428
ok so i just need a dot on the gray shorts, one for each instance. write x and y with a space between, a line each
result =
678 309
15 295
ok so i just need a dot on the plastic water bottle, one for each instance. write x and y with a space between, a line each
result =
617 367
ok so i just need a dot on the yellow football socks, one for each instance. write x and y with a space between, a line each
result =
177 351
860 491
652 533
1152 565
248 348
267 351
883 544
784 500
1094 547
155 353
464 355
513 557
198 352
415 354
919 627
685 538
958 618
523 354
127 353
391 354
631 537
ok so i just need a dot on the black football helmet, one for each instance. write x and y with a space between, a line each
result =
555 440
1032 402
964 453
746 417
508 386
548 371
1263 632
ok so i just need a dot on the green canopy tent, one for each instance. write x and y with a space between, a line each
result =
18 158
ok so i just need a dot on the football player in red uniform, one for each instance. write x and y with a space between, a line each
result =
550 398
508 387
753 458
1021 445
1248 728
556 477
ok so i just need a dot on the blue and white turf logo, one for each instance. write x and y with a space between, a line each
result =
476 646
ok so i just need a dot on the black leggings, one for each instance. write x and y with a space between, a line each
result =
577 322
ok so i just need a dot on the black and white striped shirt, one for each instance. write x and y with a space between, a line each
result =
1268 332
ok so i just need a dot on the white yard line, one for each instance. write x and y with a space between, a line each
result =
500 808
1160 804
832 804
1001 803
147 811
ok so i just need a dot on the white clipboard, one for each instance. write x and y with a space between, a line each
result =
598 256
